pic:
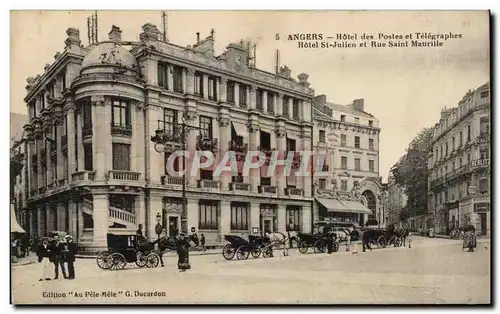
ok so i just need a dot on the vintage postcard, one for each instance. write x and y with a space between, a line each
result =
250 157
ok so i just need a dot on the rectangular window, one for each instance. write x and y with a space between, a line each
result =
342 118
258 101
270 102
285 106
446 148
212 88
452 166
243 95
265 181
485 94
120 113
442 155
460 139
293 219
356 141
468 133
483 185
322 184
87 156
453 144
209 219
206 127
370 122
343 185
230 92
484 126
357 164
198 84
371 165
437 154
239 216
322 136
42 102
163 75
170 120
206 175
121 156
238 178
356 120
343 162
484 153
87 114
343 140
371 144
177 78
295 109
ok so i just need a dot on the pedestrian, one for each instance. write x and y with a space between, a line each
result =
409 240
61 257
56 260
13 251
26 245
328 239
355 237
139 231
183 253
470 238
45 257
70 249
202 242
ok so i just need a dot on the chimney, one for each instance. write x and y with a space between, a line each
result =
198 38
359 104
115 34
320 99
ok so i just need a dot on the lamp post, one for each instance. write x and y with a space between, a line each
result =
170 137
159 226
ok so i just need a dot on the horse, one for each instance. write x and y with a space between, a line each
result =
280 239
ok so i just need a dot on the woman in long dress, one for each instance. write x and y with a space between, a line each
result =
183 253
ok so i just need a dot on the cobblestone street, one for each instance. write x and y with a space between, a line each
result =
433 271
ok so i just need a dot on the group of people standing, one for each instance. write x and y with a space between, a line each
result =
59 253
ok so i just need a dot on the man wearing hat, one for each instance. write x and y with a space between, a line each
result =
45 257
58 257
70 249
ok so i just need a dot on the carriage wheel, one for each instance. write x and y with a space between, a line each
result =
117 261
140 259
103 261
242 253
152 260
256 253
228 252
303 247
381 242
319 246
336 246
267 252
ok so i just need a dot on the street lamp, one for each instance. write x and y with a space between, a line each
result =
170 137
159 226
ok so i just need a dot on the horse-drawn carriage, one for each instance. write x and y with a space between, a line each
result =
317 241
127 248
256 245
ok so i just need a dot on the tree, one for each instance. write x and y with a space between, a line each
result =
404 215
412 174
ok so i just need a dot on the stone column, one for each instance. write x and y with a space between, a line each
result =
41 223
100 216
29 176
290 107
48 161
139 138
264 101
31 223
140 210
79 224
306 111
151 71
40 173
279 104
51 218
205 90
222 90
73 220
281 147
59 155
101 137
237 94
189 73
192 214
254 143
306 219
61 217
306 147
71 128
155 162
225 138
225 219
155 207
251 96
192 180
281 217
254 216
81 152
170 78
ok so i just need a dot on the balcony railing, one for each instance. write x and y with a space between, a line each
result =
87 131
238 186
294 192
208 184
168 180
121 130
84 175
267 189
121 214
124 175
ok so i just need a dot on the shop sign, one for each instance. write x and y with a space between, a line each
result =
478 163
481 207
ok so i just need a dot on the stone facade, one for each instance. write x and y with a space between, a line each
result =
93 166
396 201
459 171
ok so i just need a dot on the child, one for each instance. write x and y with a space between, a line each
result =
202 242
409 240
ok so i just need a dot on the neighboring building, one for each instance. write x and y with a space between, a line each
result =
93 166
17 153
349 137
396 201
459 166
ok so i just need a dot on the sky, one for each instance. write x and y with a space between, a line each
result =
404 88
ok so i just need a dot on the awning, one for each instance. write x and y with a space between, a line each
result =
332 204
241 129
356 207
14 225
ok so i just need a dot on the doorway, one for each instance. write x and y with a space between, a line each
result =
173 226
482 217
267 225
